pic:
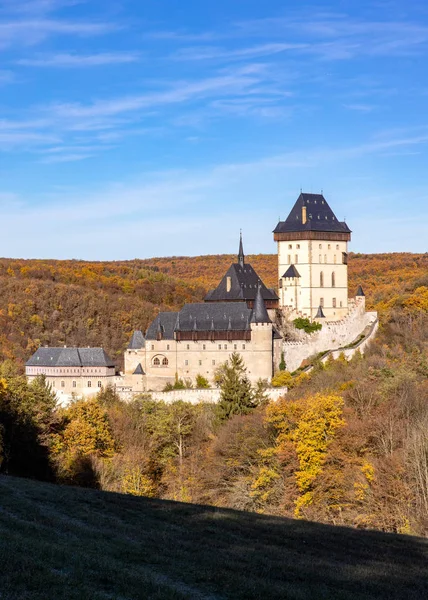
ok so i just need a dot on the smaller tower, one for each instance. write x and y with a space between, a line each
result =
241 256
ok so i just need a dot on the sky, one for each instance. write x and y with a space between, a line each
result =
133 129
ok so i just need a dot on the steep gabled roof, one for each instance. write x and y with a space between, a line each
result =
137 341
70 357
319 216
240 283
164 324
360 291
244 282
291 272
259 313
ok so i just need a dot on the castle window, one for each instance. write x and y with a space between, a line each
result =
334 302
290 246
333 279
243 346
213 363
289 259
89 383
53 383
219 346
188 346
186 362
320 258
99 384
321 279
337 246
296 259
235 346
225 346
156 362
280 283
335 259
325 258
167 346
341 304
62 383
153 346
329 247
164 362
344 258
320 246
74 384
321 302
204 347
298 246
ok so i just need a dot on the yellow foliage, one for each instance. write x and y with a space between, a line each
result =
136 483
369 472
285 379
310 424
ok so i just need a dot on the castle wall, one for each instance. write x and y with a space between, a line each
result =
194 396
333 335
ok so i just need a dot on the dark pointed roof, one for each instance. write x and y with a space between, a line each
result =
259 313
241 256
137 341
244 282
319 216
139 370
70 357
291 272
320 313
360 291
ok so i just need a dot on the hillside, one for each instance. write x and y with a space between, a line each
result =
100 303
74 544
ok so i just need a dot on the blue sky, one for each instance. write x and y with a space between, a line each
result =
157 128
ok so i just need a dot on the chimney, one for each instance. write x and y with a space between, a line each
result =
304 215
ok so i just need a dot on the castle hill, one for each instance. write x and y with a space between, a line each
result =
213 300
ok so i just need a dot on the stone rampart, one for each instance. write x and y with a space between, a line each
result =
211 395
333 336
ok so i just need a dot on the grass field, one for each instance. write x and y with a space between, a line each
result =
68 543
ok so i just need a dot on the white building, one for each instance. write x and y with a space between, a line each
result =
313 260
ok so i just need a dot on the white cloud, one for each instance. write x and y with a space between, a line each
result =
80 60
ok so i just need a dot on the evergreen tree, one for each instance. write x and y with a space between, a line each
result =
237 397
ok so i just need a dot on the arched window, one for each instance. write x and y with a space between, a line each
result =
164 362
333 279
321 279
156 362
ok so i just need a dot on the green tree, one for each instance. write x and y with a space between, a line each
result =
282 365
201 382
237 396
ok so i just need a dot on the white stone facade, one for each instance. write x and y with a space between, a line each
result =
323 269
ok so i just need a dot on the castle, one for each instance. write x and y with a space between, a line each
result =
240 315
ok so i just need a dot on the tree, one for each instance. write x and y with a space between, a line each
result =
282 365
237 396
201 382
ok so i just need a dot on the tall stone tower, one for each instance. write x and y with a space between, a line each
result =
313 260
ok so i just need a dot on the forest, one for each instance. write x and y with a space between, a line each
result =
348 445
77 303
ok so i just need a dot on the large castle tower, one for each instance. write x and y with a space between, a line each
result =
313 260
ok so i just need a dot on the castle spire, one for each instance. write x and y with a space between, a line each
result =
241 250
259 314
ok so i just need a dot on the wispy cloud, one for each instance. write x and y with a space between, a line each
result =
199 53
30 32
80 60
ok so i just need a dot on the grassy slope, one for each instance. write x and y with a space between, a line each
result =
66 543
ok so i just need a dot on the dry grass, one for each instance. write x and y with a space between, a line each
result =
68 543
